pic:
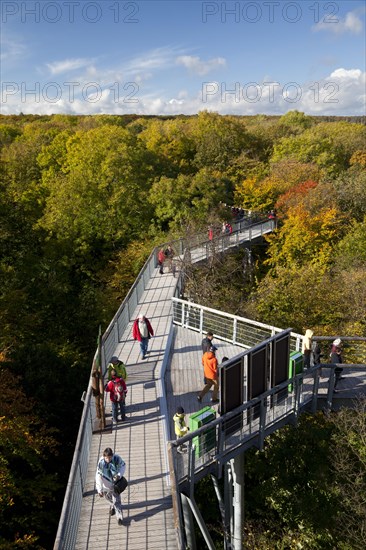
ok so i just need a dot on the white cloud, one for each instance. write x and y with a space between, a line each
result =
350 23
159 58
344 74
342 92
139 69
197 66
67 65
12 49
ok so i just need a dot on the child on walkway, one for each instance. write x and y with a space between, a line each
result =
180 427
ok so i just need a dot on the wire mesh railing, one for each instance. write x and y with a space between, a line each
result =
225 326
70 514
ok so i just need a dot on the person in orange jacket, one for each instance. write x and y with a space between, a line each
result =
210 366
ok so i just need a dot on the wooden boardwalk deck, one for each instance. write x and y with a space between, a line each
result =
148 515
184 376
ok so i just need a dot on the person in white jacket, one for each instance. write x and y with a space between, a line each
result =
306 348
110 469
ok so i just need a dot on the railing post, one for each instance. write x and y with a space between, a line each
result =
183 313
191 470
330 388
116 335
262 422
235 327
297 384
314 402
128 310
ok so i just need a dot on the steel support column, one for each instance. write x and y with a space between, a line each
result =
228 499
238 471
188 523
222 512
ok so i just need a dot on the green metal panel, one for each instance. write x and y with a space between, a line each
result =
207 439
295 365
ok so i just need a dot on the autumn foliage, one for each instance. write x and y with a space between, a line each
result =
83 202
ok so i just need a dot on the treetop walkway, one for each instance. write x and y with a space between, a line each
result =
171 375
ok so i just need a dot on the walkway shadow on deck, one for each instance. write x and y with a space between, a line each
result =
132 482
162 504
143 419
141 372
136 407
187 349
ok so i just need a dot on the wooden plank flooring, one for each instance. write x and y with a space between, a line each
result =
147 504
184 376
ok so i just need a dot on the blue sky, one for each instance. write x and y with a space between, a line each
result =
172 57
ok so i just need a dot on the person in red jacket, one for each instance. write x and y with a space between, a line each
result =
142 331
210 366
118 390
161 260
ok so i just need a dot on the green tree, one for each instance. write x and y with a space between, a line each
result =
27 490
172 144
349 189
348 451
305 239
296 121
21 173
219 140
194 197
351 250
329 145
100 200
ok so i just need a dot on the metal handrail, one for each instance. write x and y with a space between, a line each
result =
70 513
255 419
226 326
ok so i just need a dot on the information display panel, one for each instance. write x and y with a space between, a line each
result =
232 392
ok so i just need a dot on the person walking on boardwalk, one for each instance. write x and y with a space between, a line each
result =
307 347
161 260
111 468
180 427
207 342
336 359
118 366
142 331
169 255
118 390
210 366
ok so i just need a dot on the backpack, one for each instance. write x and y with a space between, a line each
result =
120 369
119 392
